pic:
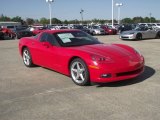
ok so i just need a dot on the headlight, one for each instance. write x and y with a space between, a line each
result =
99 59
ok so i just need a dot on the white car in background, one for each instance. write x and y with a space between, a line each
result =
96 30
156 25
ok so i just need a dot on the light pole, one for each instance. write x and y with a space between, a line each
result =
119 12
112 12
50 10
81 12
150 15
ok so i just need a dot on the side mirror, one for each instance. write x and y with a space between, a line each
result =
46 44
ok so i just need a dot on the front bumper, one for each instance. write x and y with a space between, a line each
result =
100 32
129 37
117 71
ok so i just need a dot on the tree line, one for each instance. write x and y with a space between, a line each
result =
44 21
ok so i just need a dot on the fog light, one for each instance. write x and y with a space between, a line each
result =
105 75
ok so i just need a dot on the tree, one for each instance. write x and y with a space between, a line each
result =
36 21
147 19
56 21
138 20
30 21
4 18
153 20
44 21
127 20
102 21
65 22
16 19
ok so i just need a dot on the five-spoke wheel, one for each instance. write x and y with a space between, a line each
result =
79 72
27 58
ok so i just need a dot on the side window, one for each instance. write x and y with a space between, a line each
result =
51 39
46 37
43 37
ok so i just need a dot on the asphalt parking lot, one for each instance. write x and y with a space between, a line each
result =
41 94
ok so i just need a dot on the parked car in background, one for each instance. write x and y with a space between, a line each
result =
96 30
22 32
126 27
156 25
80 27
8 33
140 33
1 34
109 30
38 29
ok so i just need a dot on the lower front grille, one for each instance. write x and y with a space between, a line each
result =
129 73
124 37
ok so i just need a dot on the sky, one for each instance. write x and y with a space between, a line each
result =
70 9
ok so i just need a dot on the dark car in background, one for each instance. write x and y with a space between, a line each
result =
1 35
126 27
82 28
21 32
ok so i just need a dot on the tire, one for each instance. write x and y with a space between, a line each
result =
15 37
11 36
27 59
79 72
158 35
139 36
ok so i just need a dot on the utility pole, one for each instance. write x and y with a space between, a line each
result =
112 13
50 10
119 12
150 15
81 12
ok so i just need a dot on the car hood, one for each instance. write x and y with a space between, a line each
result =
111 50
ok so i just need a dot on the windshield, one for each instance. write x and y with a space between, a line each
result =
141 29
78 27
95 27
75 38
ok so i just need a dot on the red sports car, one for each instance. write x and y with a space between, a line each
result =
81 56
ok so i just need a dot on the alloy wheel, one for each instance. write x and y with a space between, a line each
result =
79 72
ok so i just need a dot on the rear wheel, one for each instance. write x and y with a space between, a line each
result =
27 59
15 37
139 36
158 35
79 72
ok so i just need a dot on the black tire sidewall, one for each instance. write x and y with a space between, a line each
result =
139 36
158 35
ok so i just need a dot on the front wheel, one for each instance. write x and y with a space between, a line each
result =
139 36
158 35
27 59
79 72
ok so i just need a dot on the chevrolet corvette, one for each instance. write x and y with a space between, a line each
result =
82 57
141 33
